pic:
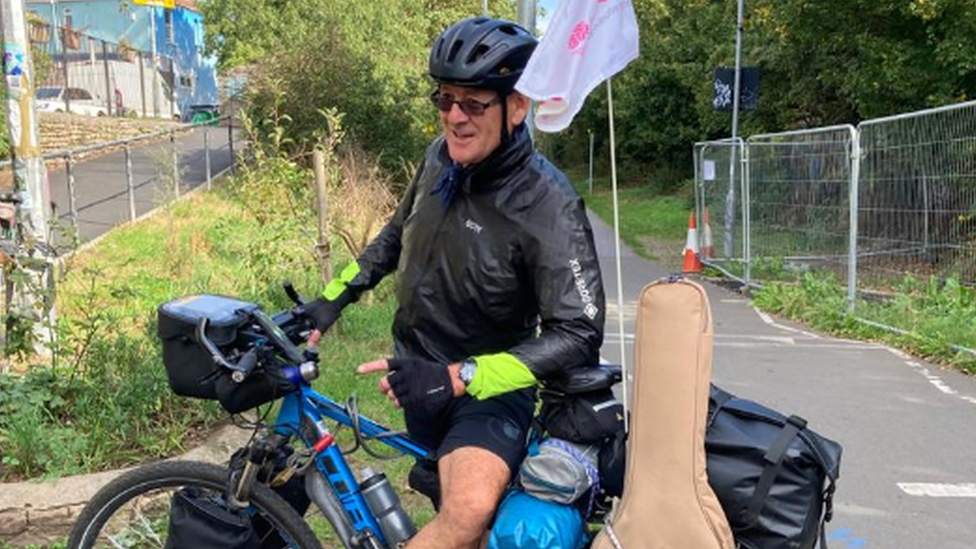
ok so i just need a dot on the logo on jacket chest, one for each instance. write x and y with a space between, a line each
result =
471 225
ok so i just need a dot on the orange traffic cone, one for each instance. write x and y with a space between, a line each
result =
708 250
692 263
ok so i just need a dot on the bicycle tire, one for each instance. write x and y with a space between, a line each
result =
173 475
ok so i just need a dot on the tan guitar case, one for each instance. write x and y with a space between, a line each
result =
667 502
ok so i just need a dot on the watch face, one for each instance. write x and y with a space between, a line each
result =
466 373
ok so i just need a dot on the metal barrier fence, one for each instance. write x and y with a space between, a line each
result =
85 75
799 196
893 198
99 186
917 203
718 190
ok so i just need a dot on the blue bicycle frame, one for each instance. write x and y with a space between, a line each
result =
308 406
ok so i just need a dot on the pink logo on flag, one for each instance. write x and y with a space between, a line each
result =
580 32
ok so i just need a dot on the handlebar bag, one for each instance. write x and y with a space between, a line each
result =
192 371
190 368
200 520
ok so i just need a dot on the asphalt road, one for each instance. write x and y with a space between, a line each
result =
908 473
101 194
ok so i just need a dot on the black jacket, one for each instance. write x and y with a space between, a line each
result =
511 252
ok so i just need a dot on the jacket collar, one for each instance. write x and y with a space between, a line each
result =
493 171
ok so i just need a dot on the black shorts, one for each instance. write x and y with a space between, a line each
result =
499 425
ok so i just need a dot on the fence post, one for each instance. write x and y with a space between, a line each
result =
206 154
64 67
746 212
128 182
72 207
322 193
142 82
230 142
852 232
172 88
108 82
176 164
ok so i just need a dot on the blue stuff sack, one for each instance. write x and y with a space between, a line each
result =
525 522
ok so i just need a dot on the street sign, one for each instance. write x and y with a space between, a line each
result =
725 86
169 4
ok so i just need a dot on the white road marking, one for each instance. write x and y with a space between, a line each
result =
769 320
899 353
935 380
934 490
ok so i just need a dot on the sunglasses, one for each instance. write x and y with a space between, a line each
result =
469 106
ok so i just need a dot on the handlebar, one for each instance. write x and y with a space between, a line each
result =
283 330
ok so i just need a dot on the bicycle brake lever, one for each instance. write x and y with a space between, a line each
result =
292 293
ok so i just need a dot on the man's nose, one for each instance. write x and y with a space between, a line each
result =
456 115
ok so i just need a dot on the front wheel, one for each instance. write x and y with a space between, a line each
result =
133 510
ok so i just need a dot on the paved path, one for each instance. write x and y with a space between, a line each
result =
908 474
100 183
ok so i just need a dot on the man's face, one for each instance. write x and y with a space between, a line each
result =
471 137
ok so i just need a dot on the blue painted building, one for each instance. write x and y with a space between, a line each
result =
179 36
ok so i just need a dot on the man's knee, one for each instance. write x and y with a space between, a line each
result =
473 481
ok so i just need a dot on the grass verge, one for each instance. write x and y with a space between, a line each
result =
653 226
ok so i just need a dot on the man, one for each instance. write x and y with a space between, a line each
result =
499 285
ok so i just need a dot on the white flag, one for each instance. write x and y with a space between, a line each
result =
587 42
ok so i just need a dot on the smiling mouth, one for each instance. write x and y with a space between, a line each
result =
462 137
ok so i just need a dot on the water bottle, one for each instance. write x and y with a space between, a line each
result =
383 501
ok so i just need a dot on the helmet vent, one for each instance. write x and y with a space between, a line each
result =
508 29
455 48
478 53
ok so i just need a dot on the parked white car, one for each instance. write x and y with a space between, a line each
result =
52 99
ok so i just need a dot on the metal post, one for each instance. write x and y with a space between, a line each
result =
172 88
28 168
206 155
72 205
591 163
142 82
746 214
130 187
64 68
484 8
925 204
230 142
176 164
155 64
730 199
852 232
108 82
526 18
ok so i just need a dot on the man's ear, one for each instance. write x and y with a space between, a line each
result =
518 109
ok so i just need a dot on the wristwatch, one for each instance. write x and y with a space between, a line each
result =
466 373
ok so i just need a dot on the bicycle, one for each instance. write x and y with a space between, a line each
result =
365 514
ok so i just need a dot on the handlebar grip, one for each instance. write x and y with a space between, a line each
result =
247 362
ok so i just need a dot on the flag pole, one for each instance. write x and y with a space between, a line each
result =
616 241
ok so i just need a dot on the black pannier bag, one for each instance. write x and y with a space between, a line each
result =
198 520
774 477
192 370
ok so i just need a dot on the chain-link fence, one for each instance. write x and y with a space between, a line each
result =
718 186
82 74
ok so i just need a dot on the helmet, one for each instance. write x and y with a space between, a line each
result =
481 53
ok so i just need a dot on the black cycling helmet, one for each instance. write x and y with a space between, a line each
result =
481 53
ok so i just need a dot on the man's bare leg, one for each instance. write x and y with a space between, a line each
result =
473 481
